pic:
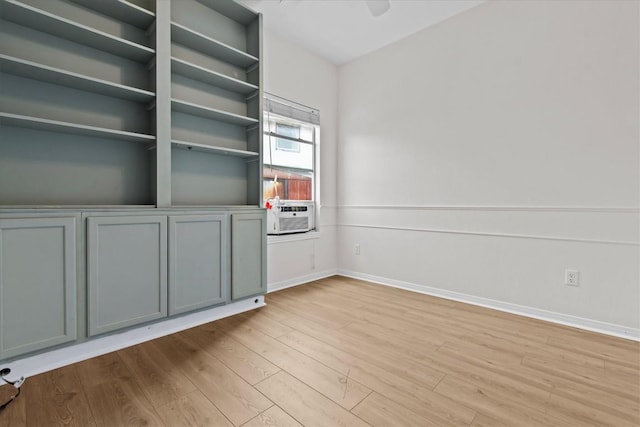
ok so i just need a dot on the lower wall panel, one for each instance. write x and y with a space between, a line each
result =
525 272
306 258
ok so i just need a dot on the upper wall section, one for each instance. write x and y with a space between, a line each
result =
509 103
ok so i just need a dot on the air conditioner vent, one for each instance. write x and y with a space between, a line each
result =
296 223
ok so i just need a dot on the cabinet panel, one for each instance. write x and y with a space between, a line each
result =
37 284
126 271
248 254
197 261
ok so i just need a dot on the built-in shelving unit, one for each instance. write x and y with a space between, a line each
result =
130 147
216 103
88 80
76 94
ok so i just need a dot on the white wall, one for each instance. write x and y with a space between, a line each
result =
487 154
293 73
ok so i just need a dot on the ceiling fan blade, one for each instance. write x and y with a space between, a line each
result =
378 7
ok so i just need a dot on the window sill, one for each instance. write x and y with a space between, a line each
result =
285 238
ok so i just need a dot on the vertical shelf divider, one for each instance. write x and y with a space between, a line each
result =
163 103
254 171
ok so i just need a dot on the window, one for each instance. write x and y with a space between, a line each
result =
291 134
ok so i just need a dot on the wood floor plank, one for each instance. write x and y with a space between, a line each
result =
259 319
378 296
509 383
496 406
622 351
273 417
488 351
376 352
16 413
117 402
252 367
114 396
474 326
594 379
420 399
314 313
327 300
308 406
101 369
581 365
336 386
60 398
621 373
379 334
578 388
482 420
192 409
233 396
572 411
161 380
380 411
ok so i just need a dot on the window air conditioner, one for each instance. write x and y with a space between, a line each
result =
289 217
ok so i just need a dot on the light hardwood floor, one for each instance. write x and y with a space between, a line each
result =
341 352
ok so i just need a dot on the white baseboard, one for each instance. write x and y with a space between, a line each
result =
300 280
54 359
536 313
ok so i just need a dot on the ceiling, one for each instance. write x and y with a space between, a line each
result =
342 30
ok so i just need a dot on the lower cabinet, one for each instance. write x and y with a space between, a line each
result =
197 261
248 254
37 284
126 271
138 268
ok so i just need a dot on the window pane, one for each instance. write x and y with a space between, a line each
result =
287 144
301 159
291 185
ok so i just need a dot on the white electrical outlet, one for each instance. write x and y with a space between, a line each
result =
572 277
357 249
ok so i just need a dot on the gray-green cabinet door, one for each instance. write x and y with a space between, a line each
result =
248 254
197 261
37 284
126 271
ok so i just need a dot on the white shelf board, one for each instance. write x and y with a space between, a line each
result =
121 10
41 20
212 149
205 44
33 70
211 113
196 72
9 119
233 10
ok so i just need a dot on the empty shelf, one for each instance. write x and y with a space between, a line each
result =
204 44
211 113
33 70
41 20
202 74
8 119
